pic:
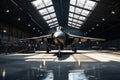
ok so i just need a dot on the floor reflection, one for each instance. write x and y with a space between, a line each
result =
18 69
77 75
63 71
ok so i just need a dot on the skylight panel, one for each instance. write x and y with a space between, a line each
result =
82 18
71 14
54 19
80 22
51 24
74 20
69 24
46 17
47 2
53 15
72 8
90 4
50 9
49 21
46 9
78 25
78 10
74 23
54 22
56 25
75 26
38 4
80 3
70 19
76 16
85 12
73 2
43 11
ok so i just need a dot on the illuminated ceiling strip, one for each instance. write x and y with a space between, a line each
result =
77 14
75 22
72 25
75 27
46 9
77 19
51 18
80 7
48 13
53 24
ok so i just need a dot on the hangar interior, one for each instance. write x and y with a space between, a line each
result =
20 19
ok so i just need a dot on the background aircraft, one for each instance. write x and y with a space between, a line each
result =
62 40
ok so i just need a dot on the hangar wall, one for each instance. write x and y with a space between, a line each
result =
11 33
112 44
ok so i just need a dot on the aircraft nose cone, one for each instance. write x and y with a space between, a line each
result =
59 35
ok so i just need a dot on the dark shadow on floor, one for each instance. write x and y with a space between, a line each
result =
64 55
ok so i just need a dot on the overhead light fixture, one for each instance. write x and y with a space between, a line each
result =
89 30
33 28
103 19
29 25
80 42
113 12
93 28
40 32
19 19
4 31
97 24
7 11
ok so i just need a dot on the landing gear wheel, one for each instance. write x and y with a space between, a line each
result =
59 54
74 49
47 50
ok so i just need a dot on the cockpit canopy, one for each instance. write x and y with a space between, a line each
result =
59 28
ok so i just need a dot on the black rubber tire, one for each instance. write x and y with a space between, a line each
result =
47 50
74 49
59 55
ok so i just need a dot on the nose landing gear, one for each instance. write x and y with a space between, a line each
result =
59 53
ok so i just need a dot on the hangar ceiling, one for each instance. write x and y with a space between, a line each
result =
94 18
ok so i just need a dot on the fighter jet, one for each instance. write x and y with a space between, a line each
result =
62 39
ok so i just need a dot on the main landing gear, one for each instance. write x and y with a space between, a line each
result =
74 49
59 53
47 50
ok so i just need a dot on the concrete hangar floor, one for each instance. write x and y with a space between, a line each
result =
84 65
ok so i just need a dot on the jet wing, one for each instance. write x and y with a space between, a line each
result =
39 37
84 39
